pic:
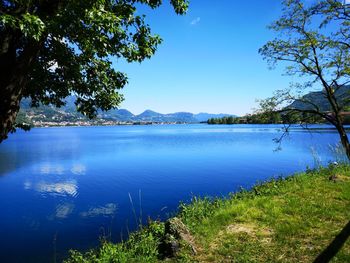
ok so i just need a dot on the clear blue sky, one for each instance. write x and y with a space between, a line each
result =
208 61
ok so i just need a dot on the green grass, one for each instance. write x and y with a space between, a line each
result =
141 247
290 220
284 220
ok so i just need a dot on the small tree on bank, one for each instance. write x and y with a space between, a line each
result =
314 40
52 49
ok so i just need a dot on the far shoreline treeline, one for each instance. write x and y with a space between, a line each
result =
272 118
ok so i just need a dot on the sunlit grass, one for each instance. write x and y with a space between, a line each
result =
289 220
284 220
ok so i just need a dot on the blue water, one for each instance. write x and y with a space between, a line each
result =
64 188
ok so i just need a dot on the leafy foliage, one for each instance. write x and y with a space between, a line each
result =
258 118
71 43
314 41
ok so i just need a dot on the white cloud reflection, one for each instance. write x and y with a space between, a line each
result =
68 188
58 169
27 185
64 210
51 169
106 210
78 169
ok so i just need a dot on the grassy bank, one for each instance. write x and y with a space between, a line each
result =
286 220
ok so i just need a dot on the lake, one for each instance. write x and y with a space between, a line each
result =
63 188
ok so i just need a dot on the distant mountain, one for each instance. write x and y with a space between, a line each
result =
125 113
149 115
183 117
319 99
206 116
117 115
68 113
188 117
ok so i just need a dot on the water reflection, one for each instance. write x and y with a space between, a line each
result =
68 180
67 188
64 210
18 151
51 169
31 223
59 169
106 210
78 169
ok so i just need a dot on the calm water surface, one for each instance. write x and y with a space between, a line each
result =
63 188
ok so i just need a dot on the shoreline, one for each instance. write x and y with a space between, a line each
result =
265 223
295 127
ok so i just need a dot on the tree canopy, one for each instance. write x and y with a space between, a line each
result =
50 49
313 38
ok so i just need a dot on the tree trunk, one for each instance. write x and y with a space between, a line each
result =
9 107
14 71
17 54
337 121
344 139
12 84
